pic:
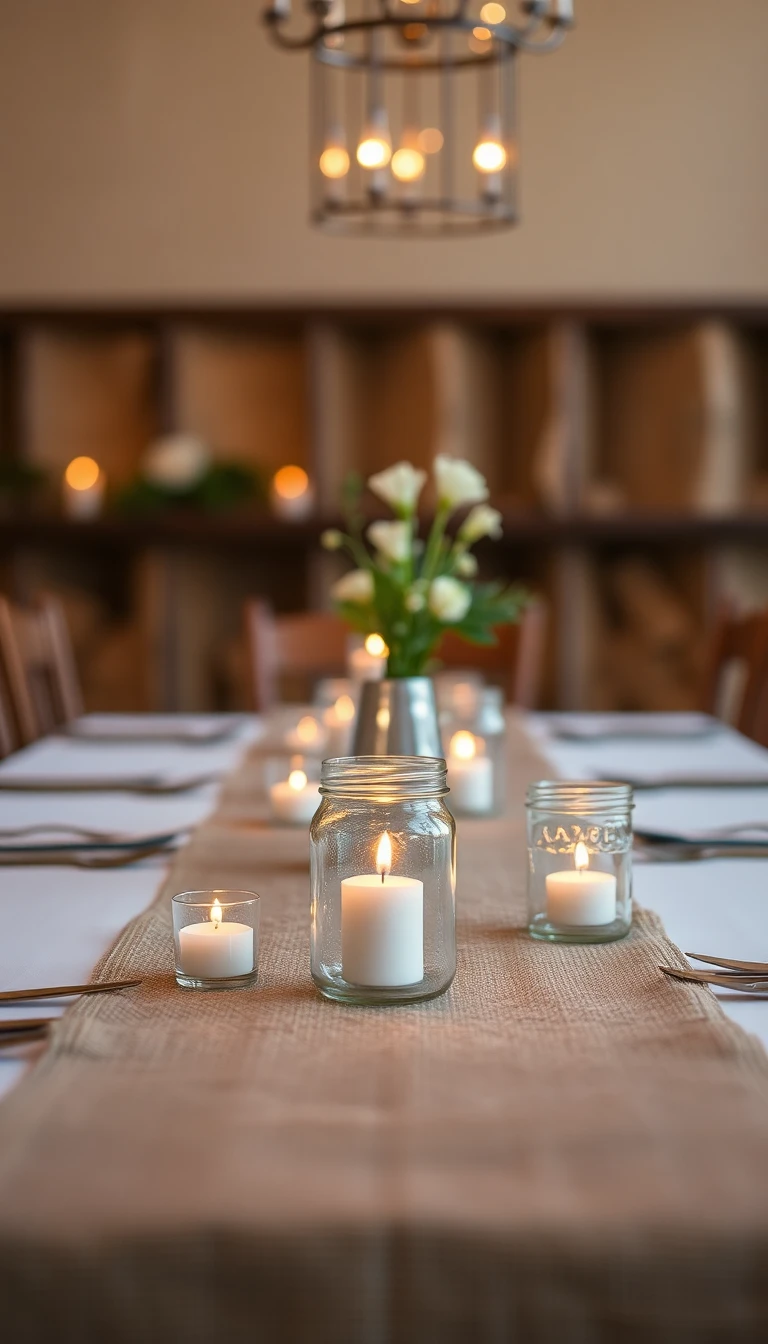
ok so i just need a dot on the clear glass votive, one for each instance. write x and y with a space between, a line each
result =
476 753
383 880
216 938
579 861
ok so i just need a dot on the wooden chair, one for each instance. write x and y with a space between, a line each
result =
304 646
515 662
38 669
735 683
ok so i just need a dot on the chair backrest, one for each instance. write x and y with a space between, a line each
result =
38 668
516 661
735 683
306 645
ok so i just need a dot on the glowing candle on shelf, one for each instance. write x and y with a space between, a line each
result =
215 949
579 896
470 775
295 799
83 490
382 925
308 735
338 720
368 663
291 494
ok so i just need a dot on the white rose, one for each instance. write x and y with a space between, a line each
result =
415 600
399 486
449 600
466 566
392 539
482 521
357 587
331 539
175 462
458 482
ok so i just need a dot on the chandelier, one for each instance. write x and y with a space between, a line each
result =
413 125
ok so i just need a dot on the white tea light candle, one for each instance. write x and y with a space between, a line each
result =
369 661
338 720
470 775
382 925
578 896
291 494
295 799
309 735
215 949
83 489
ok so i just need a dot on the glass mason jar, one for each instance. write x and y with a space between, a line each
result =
579 861
383 880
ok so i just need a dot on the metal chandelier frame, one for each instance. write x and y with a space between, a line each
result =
409 66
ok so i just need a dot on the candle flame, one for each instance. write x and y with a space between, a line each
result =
290 482
581 856
307 729
297 780
463 746
345 709
384 855
375 645
216 913
82 473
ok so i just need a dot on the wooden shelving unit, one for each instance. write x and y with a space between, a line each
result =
627 448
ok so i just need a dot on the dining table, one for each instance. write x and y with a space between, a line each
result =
567 1145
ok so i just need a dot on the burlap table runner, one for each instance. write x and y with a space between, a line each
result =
566 1146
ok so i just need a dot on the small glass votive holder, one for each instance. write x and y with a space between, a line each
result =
579 861
216 938
476 755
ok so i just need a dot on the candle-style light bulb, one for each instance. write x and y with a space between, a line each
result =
581 857
334 160
375 146
489 154
384 856
408 162
216 914
463 746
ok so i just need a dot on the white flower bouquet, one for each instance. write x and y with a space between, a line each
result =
409 590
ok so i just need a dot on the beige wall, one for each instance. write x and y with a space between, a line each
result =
156 149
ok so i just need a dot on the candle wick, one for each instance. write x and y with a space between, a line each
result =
382 877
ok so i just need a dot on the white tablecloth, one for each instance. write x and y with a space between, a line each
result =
58 921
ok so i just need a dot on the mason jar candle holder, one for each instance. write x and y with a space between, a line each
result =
383 881
216 939
579 861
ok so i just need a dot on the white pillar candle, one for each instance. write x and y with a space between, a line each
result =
83 489
216 949
382 925
578 897
338 721
470 776
295 799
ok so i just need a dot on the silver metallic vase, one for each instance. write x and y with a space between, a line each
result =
397 717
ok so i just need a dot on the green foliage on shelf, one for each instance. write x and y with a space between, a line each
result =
224 485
